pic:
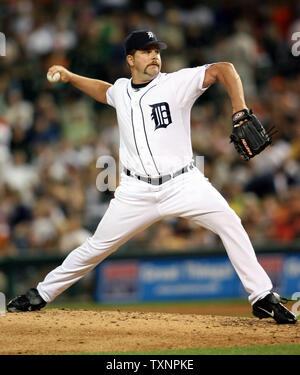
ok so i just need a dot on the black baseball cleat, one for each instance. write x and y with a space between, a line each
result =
30 301
271 307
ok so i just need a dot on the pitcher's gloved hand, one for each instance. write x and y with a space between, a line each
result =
248 134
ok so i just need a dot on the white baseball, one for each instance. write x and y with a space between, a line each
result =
53 78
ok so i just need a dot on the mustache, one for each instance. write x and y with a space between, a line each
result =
156 63
153 63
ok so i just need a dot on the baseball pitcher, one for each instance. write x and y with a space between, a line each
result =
159 179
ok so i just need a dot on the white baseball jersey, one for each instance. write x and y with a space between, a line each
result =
154 121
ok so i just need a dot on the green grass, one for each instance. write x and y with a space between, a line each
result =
293 349
94 305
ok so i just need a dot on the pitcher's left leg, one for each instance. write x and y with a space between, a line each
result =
239 249
194 198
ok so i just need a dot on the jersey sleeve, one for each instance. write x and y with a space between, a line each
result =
110 96
189 84
115 91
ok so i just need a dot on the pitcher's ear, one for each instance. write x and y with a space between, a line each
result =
130 60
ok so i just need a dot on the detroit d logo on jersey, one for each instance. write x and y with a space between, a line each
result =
161 115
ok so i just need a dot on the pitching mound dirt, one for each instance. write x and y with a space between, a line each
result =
61 331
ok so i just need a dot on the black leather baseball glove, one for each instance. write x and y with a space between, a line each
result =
248 134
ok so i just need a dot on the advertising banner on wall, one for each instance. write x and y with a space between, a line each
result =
189 278
166 279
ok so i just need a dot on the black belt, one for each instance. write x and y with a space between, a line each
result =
159 180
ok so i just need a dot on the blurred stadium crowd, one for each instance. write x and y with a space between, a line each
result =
52 135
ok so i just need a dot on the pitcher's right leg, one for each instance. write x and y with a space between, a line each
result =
128 213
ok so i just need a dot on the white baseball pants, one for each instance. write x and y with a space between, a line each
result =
137 205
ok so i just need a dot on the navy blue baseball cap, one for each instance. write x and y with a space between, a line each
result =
139 39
